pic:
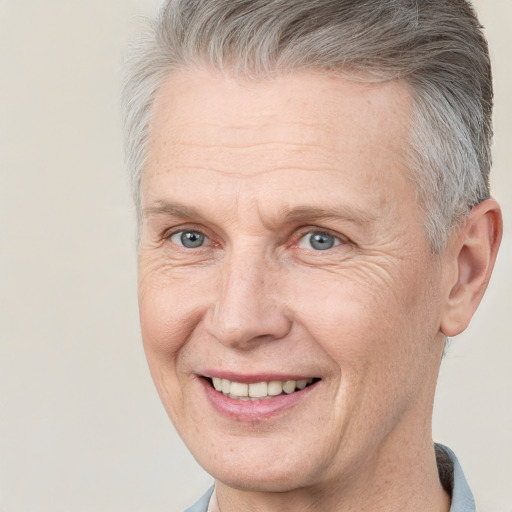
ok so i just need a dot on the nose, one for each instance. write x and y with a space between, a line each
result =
248 307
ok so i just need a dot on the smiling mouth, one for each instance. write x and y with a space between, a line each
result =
259 390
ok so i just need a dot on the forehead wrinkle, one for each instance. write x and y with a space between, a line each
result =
227 159
274 132
277 143
307 214
249 175
188 145
260 119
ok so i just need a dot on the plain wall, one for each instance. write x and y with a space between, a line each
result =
81 427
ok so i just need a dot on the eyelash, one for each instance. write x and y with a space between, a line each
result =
170 233
338 239
301 234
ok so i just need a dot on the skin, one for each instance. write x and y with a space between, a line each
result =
257 167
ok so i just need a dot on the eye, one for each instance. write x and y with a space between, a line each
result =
318 241
189 239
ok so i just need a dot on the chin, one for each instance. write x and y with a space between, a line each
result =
250 479
256 469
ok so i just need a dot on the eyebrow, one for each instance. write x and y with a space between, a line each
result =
286 214
347 213
171 210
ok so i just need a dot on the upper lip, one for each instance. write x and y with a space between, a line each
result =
252 378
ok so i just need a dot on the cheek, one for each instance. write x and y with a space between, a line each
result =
382 355
344 312
170 306
373 328
170 309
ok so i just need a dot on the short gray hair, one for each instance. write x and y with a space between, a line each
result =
435 46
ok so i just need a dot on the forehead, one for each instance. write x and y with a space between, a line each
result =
214 110
296 131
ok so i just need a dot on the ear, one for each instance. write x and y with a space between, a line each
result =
470 258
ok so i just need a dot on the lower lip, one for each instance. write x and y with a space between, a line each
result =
253 410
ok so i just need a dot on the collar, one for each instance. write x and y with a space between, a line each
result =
453 480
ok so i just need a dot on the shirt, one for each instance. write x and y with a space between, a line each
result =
450 474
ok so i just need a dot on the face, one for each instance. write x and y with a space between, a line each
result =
284 261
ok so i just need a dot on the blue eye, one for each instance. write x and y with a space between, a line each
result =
189 239
319 241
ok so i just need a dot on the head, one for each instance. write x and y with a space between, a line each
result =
436 48
311 179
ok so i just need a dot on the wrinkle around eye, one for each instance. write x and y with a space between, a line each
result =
337 258
158 254
163 260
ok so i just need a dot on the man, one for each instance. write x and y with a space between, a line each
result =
315 220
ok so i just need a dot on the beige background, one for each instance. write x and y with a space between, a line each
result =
81 427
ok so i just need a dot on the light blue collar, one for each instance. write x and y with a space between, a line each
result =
462 497
202 504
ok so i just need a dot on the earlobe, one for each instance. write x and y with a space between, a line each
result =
472 255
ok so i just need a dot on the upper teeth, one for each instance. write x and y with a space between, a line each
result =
258 390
